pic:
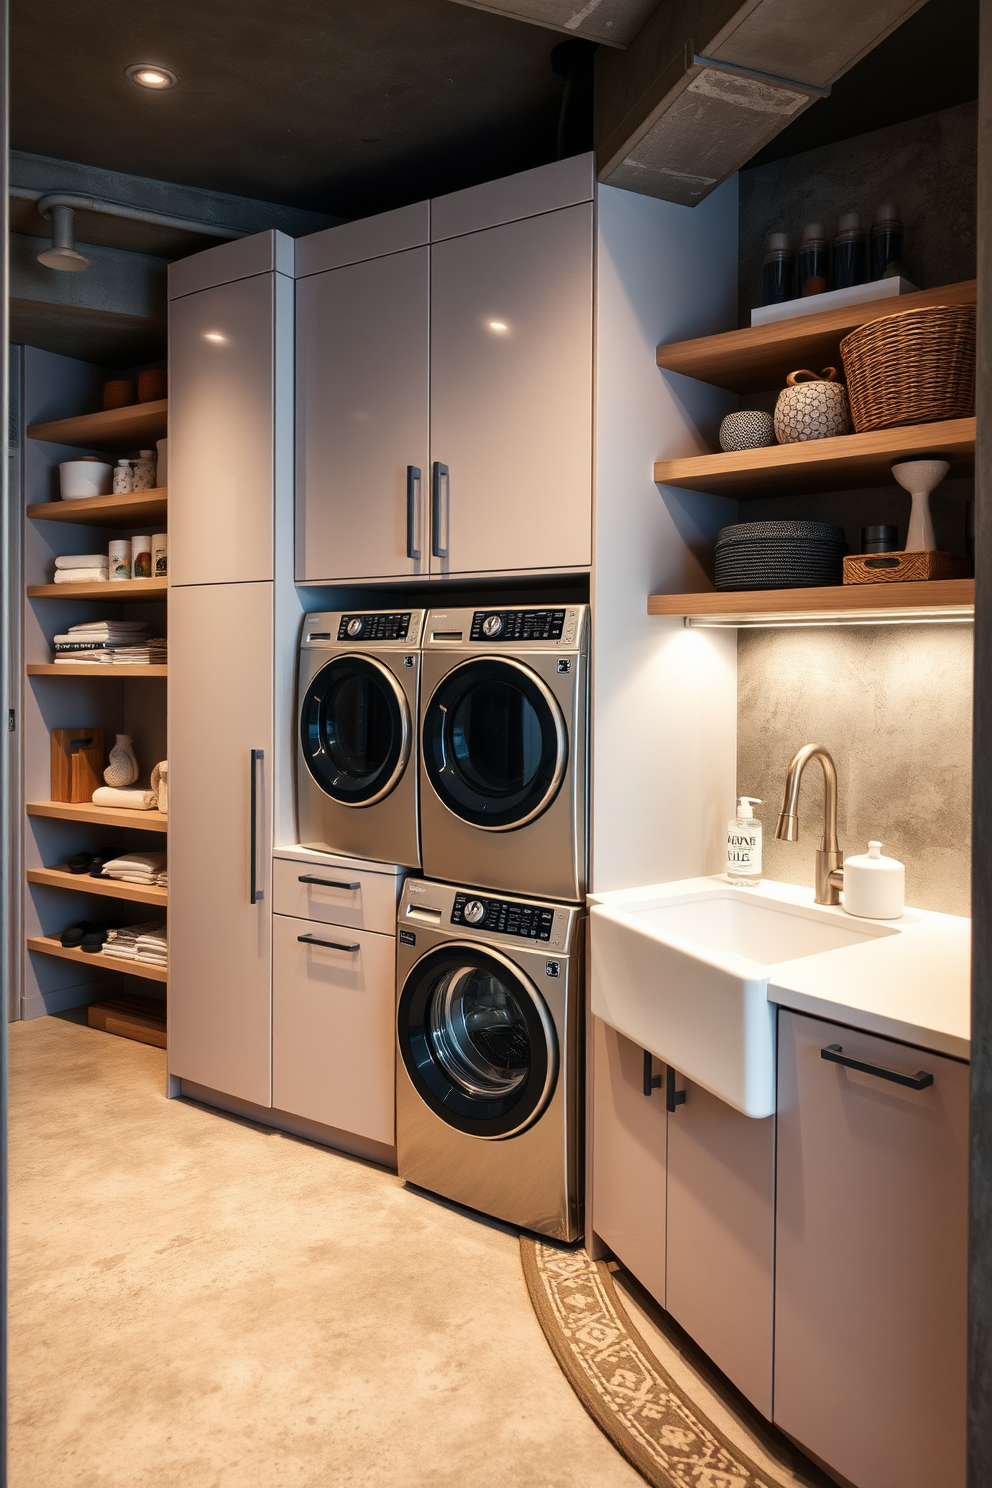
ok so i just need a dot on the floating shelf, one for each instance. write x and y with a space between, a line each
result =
110 888
842 604
49 946
846 462
105 816
140 507
114 590
95 669
761 357
141 424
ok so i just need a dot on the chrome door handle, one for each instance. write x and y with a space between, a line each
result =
333 945
412 511
834 1054
256 891
328 883
441 474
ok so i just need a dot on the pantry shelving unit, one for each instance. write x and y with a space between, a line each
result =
130 698
758 358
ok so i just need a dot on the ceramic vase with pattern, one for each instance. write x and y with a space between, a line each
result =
123 767
749 428
811 406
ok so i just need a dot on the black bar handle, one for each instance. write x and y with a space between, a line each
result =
673 1097
441 473
256 893
328 883
834 1053
334 945
412 505
651 1082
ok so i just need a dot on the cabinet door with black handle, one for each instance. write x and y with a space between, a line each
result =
871 1255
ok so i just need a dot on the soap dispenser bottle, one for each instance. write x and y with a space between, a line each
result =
744 844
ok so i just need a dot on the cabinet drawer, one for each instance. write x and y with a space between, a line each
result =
335 895
332 1027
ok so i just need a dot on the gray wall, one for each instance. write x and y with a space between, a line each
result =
927 166
893 706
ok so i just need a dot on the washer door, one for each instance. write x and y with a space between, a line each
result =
495 743
355 730
477 1040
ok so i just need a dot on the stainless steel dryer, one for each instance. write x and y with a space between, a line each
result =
358 693
488 1076
503 748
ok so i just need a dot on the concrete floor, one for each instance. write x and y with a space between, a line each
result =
197 1301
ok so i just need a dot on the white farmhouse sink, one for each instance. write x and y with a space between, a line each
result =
683 969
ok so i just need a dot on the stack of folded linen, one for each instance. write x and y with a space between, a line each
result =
124 943
152 947
153 652
100 640
82 568
138 868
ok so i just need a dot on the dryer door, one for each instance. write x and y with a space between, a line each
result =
355 730
478 1041
495 745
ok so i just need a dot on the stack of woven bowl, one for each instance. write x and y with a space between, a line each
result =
779 555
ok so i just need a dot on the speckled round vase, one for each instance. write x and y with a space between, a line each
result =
811 406
749 428
123 767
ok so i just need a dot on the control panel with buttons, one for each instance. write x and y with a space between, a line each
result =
520 625
385 627
504 917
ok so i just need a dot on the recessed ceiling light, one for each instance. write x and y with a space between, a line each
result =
146 75
213 336
498 325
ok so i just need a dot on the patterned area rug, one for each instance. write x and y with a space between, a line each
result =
620 1382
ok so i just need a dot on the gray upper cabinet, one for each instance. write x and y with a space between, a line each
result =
871 1257
363 420
511 396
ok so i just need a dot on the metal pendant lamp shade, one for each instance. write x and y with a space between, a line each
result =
63 254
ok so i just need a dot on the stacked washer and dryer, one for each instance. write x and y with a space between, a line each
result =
455 742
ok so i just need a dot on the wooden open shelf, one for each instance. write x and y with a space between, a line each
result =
114 590
139 508
952 596
848 461
104 816
95 669
52 947
135 427
110 888
761 357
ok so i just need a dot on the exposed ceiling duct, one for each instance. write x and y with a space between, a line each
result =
60 208
704 86
613 22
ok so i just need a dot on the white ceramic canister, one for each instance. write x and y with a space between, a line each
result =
141 557
811 406
84 477
123 478
144 471
120 558
160 555
162 464
874 886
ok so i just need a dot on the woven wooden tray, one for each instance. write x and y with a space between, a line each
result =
902 568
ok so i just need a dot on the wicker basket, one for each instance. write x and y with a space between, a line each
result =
914 368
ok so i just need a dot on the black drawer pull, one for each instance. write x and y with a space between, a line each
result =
673 1097
651 1082
332 945
328 883
835 1054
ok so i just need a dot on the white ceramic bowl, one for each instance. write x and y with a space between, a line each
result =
80 478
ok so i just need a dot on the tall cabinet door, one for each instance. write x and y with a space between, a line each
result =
220 837
511 395
871 1257
362 420
221 432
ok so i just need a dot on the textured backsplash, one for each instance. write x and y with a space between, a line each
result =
892 704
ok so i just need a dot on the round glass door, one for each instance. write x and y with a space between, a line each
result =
495 744
355 730
477 1041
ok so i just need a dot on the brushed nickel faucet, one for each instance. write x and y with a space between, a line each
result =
829 858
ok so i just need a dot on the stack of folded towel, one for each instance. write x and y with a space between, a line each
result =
120 798
144 942
110 641
82 568
139 868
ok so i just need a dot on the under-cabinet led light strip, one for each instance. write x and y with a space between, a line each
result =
958 615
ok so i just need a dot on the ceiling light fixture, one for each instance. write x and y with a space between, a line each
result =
147 75
63 254
498 325
213 336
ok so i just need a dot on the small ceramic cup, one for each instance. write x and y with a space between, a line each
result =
141 557
120 558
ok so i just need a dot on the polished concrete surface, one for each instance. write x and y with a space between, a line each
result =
199 1301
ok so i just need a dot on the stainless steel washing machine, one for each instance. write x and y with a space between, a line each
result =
356 778
504 700
488 1020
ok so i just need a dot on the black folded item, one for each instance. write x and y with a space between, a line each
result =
93 941
99 859
79 862
74 934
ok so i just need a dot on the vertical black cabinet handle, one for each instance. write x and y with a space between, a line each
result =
412 510
441 475
673 1097
651 1082
256 892
834 1054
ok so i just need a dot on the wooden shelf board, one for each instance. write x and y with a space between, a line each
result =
114 590
950 595
94 669
142 507
50 946
110 888
848 461
761 357
131 1016
105 816
139 425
